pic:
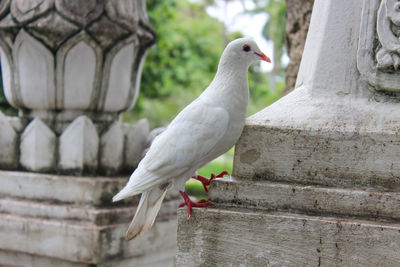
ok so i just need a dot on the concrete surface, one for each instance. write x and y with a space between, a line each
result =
242 237
75 222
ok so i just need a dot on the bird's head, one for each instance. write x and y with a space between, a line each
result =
245 51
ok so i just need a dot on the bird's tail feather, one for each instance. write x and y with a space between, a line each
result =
124 193
136 186
147 210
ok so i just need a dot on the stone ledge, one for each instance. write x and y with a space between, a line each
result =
330 142
371 204
97 216
161 259
66 189
232 237
82 241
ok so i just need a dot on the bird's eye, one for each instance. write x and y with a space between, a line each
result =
246 48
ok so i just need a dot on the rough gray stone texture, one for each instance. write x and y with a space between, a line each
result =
112 148
85 214
371 203
82 12
52 29
162 259
65 59
47 31
79 145
75 221
8 144
26 10
241 237
320 142
38 147
82 242
80 190
135 142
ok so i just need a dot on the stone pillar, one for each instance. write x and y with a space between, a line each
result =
316 174
71 68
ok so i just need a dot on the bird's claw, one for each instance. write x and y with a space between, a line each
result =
207 181
189 203
222 174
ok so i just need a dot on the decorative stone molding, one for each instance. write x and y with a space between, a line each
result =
38 146
81 56
74 66
8 144
71 68
79 145
378 57
74 221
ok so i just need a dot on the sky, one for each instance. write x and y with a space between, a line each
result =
231 14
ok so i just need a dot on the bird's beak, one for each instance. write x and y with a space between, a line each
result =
263 57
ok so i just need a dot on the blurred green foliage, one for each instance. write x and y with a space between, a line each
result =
184 61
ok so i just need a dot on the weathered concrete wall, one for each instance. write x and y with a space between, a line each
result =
242 237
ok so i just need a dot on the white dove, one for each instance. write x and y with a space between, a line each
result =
202 131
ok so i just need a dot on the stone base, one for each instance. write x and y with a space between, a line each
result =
317 185
237 237
48 220
161 259
333 142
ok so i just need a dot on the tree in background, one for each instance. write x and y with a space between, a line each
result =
189 44
298 22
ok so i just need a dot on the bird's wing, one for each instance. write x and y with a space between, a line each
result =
188 140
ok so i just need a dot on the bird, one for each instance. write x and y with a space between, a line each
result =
205 129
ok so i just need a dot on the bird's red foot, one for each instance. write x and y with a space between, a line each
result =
206 182
189 203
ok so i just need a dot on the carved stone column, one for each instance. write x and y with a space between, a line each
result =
316 174
71 68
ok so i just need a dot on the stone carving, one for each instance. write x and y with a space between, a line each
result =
37 148
388 28
72 66
136 138
79 146
34 73
23 10
8 144
112 148
52 49
378 57
82 12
